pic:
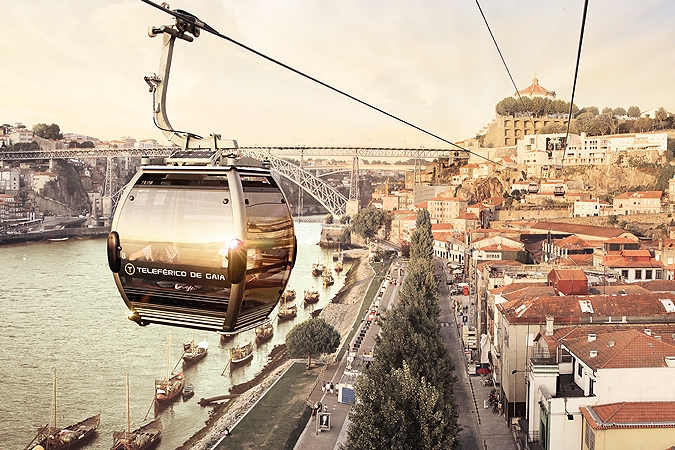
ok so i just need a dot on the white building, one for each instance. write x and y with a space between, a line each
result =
591 369
591 208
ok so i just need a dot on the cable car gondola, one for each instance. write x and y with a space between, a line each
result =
202 242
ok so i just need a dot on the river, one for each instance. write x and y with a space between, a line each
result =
61 310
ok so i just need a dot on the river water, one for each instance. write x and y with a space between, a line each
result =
61 310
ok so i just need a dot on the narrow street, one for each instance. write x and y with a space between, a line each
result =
481 428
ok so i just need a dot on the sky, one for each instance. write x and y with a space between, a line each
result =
80 64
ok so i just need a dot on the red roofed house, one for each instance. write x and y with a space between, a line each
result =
518 321
42 178
465 222
616 380
445 208
640 202
634 265
568 281
628 425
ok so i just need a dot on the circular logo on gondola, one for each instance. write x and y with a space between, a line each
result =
129 269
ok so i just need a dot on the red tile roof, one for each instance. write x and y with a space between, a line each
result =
620 350
640 194
581 308
587 230
630 415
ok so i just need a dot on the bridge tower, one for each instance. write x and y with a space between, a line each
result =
106 198
354 192
417 178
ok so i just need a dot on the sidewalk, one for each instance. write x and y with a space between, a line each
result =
363 342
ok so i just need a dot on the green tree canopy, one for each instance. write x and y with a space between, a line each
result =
619 111
634 111
329 219
400 411
368 221
47 131
312 337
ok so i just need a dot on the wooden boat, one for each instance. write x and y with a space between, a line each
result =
264 332
287 312
188 391
167 389
317 269
339 266
53 438
142 438
241 355
171 386
288 296
328 279
193 353
311 296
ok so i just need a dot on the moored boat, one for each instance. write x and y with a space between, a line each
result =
311 296
188 391
193 353
317 269
264 332
288 296
142 438
73 436
287 312
167 389
241 355
328 279
339 266
53 438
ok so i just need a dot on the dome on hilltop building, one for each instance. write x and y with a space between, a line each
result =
536 90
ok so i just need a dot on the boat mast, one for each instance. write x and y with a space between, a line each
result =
168 360
54 401
128 420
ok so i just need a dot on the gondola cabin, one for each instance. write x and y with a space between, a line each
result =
533 188
559 190
202 247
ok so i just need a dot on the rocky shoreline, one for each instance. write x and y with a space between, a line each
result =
341 312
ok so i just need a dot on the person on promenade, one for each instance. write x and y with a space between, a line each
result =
323 387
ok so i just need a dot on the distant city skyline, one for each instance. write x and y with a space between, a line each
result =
81 65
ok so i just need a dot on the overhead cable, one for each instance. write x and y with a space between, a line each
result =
184 16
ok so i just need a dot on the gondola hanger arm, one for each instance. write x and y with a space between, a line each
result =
186 28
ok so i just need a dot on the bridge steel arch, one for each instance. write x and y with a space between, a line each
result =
328 196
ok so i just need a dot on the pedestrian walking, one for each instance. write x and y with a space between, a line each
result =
323 387
331 388
314 409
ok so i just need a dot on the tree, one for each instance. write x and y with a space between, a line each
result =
400 410
329 219
661 114
422 239
619 112
633 111
346 236
368 221
312 337
47 131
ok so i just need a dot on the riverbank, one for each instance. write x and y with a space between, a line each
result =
341 312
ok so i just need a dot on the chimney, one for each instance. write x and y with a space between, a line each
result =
591 337
593 353
549 325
